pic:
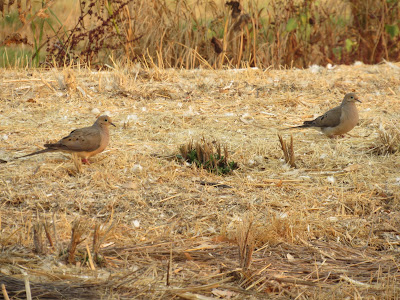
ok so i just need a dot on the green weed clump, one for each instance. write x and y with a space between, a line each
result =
207 155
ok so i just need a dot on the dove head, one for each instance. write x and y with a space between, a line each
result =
350 98
104 121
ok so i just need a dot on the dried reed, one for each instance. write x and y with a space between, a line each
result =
189 34
288 151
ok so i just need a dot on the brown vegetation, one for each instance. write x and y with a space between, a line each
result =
138 224
188 34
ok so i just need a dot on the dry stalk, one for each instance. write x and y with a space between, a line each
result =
246 242
90 259
96 242
27 287
110 227
47 231
4 291
55 229
98 238
288 151
169 266
128 28
77 231
38 237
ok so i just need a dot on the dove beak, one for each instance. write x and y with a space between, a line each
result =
113 124
358 100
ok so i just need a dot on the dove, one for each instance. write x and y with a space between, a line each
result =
337 121
85 142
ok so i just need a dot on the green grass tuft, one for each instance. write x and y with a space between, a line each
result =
208 155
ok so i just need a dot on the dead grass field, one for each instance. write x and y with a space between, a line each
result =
329 229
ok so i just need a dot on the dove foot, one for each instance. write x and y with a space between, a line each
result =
339 136
85 161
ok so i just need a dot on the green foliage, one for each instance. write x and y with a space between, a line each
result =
15 53
349 45
338 21
179 34
15 57
337 51
291 24
373 43
209 156
37 38
10 19
392 30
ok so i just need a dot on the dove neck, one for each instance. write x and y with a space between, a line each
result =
347 103
104 129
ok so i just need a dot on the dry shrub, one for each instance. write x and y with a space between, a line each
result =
249 232
375 30
182 34
96 33
281 229
387 142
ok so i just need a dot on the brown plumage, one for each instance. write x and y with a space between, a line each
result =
85 142
338 120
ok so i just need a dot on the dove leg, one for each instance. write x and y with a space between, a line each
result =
337 136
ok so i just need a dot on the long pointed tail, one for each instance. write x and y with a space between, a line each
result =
305 125
37 152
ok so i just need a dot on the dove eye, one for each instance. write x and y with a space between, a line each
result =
106 120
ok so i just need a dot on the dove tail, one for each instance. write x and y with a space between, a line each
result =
37 152
306 124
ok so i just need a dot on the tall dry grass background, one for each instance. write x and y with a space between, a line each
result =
212 34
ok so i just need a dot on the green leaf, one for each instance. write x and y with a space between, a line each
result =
303 18
337 51
59 22
291 24
210 33
392 30
348 44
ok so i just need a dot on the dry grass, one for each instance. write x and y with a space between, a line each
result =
327 229
288 151
192 33
388 141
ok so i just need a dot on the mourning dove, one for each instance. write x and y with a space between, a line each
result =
85 142
338 120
